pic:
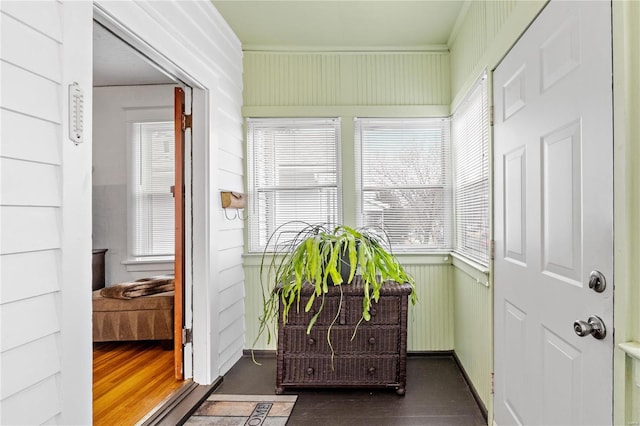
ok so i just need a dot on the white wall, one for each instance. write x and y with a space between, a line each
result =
45 206
112 109
46 216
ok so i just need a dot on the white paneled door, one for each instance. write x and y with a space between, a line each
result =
553 189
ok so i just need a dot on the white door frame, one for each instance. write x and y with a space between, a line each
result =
194 175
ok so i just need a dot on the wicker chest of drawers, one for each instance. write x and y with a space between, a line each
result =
375 357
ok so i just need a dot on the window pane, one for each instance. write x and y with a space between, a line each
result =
402 177
470 141
153 170
293 175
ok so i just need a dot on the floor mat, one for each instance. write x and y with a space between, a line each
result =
244 410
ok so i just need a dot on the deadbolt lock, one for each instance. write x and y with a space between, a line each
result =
597 282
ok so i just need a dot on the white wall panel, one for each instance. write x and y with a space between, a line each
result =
42 52
28 320
35 405
29 138
42 357
35 95
29 274
25 183
29 229
43 16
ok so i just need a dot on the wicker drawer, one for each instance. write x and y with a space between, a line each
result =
364 370
386 311
299 316
376 357
368 339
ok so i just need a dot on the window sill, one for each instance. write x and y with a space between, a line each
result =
632 349
432 258
163 264
475 270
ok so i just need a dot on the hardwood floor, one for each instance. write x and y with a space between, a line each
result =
437 394
130 379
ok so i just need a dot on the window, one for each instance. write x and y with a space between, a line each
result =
152 227
293 175
402 178
470 136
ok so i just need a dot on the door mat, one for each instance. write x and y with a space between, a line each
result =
244 410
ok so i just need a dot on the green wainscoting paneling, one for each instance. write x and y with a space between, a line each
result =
430 321
279 79
473 330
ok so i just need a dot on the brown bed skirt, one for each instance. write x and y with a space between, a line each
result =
143 318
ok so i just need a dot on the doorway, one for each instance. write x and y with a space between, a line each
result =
134 143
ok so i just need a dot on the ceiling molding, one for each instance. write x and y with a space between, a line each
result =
431 48
459 20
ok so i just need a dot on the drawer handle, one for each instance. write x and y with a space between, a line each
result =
373 312
311 341
372 370
309 371
372 340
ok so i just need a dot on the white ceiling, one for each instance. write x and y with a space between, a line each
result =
333 25
341 24
115 63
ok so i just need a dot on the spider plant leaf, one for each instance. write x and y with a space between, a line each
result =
307 308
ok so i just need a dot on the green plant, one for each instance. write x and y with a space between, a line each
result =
325 256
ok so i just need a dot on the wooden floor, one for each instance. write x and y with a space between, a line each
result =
437 394
129 380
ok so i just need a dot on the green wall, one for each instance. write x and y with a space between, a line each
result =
455 311
626 77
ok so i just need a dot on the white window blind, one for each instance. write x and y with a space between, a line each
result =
403 180
470 145
153 174
293 175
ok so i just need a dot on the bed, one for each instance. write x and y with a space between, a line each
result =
118 317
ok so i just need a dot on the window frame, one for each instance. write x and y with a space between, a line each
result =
472 195
435 123
257 238
139 116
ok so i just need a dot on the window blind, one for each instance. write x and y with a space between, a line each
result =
293 175
470 145
403 180
153 203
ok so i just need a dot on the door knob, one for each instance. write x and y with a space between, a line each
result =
597 282
593 326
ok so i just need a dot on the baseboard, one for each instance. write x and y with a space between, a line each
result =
259 353
180 405
475 393
430 354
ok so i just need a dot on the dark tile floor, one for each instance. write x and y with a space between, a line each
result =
437 394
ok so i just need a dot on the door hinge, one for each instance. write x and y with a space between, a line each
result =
491 116
187 336
492 249
493 383
186 121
